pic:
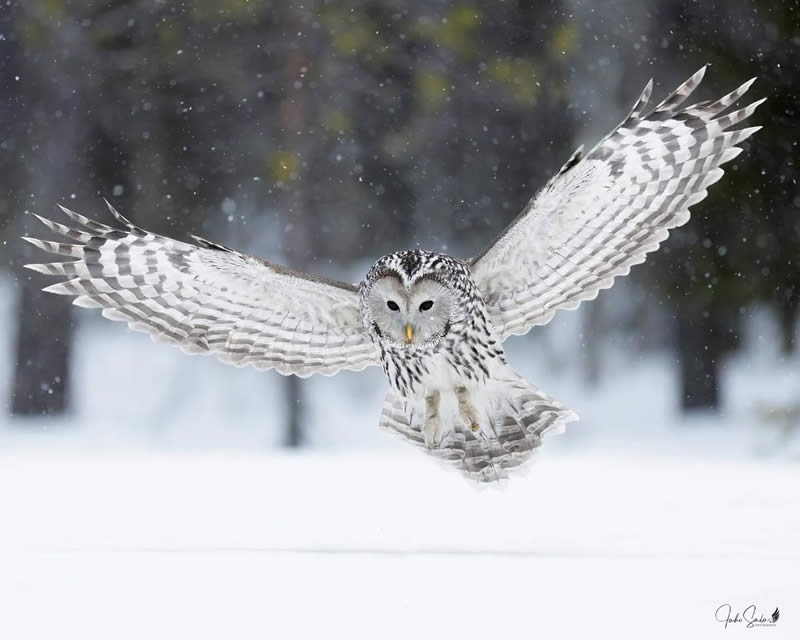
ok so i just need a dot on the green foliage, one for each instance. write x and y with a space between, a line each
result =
52 10
519 76
432 88
352 33
282 166
239 11
456 30
336 121
564 40
374 112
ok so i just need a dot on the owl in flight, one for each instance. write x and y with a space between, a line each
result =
436 324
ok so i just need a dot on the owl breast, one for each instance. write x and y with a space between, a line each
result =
469 357
468 354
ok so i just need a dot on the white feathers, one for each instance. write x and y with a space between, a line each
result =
210 299
518 414
603 213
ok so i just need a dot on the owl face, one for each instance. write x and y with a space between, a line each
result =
411 313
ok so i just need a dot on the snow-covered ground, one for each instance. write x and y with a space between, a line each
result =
378 546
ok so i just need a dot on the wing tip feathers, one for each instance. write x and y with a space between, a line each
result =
118 216
58 288
39 244
39 267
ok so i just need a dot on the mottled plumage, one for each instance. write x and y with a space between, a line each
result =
435 323
466 343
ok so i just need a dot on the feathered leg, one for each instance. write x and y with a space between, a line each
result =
517 417
433 422
467 410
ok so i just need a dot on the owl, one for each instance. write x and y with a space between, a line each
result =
435 324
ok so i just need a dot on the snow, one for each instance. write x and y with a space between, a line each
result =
381 546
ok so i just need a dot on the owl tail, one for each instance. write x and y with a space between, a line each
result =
515 416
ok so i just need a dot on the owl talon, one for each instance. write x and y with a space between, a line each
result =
433 423
433 432
467 410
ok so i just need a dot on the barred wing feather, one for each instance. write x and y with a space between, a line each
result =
206 298
602 213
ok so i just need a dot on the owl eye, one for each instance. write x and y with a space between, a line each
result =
426 305
392 305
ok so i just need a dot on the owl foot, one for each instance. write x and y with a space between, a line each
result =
467 410
432 431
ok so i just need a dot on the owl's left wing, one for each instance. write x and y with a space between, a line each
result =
206 298
602 213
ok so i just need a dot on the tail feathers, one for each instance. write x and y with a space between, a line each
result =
518 416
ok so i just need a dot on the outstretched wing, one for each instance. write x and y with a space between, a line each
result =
207 298
604 212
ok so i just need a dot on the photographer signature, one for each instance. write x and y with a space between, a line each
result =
749 616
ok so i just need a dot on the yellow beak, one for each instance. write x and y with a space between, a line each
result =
409 332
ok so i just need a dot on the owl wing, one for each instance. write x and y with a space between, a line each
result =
206 298
603 212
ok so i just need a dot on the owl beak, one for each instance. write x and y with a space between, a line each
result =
409 333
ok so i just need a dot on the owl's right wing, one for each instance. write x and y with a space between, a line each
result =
206 298
604 212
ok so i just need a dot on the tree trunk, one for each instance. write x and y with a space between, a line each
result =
43 353
594 335
699 351
44 320
299 250
294 412
55 171
788 326
43 333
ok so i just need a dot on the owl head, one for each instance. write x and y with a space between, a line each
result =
408 302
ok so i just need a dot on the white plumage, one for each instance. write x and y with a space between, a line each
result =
211 299
435 323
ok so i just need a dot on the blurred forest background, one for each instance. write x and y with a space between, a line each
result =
324 134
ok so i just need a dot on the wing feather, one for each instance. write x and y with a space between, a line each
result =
604 212
207 298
